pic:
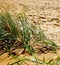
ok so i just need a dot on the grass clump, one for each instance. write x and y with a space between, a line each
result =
18 29
14 27
11 29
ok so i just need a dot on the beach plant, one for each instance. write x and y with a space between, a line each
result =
19 26
11 29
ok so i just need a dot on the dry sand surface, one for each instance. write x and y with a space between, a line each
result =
45 12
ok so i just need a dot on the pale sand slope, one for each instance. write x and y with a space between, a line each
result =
46 12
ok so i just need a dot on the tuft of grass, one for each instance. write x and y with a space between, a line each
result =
14 27
11 29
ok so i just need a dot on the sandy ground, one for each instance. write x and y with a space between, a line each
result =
45 12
